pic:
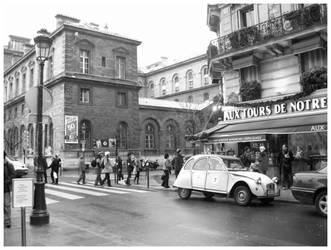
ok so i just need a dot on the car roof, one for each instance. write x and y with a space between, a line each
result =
228 157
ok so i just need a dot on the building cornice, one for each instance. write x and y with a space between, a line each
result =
187 91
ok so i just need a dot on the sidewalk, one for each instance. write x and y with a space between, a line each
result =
155 184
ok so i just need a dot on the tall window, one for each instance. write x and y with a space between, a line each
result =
313 59
23 82
190 99
175 81
15 112
6 93
163 86
151 87
10 90
123 135
46 136
171 137
22 110
17 85
31 77
120 67
204 76
249 74
247 16
189 79
149 136
51 135
205 96
84 95
122 99
31 136
103 61
50 67
84 61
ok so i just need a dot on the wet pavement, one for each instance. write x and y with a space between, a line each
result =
153 217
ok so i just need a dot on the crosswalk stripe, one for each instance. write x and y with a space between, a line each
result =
62 195
77 190
94 188
124 189
50 201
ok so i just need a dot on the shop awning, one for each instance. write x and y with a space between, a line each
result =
256 130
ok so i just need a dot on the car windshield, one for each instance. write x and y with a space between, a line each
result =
235 164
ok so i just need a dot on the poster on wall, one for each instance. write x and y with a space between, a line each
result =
71 129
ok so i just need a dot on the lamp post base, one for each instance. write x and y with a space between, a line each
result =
39 214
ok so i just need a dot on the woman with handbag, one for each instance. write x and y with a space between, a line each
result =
166 171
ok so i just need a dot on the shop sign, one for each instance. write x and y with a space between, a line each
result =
71 129
276 109
241 138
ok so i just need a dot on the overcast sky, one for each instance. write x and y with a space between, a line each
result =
172 28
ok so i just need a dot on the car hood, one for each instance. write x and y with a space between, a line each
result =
251 175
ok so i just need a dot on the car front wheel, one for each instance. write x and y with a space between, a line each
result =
321 203
242 195
184 193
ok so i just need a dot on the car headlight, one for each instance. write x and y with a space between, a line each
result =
275 180
258 181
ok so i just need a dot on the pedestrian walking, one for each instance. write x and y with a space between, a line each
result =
129 168
9 174
285 159
166 171
177 162
137 169
55 166
82 169
107 168
119 168
98 168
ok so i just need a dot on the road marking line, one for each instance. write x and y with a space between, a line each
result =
124 189
50 201
94 188
78 190
62 195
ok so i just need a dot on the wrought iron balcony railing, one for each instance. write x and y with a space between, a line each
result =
288 23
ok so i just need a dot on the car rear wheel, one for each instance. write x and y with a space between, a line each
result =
184 193
321 203
208 195
266 201
242 195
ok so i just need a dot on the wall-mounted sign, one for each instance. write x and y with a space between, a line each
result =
71 129
276 109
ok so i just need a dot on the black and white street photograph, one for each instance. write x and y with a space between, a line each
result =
164 123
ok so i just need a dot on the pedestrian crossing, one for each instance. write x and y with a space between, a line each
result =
74 191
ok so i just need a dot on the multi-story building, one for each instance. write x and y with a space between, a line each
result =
273 61
92 76
183 81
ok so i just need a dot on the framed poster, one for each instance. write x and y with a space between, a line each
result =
71 129
22 192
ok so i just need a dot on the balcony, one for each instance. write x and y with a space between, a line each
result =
275 29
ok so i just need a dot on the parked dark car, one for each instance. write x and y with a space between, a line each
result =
311 188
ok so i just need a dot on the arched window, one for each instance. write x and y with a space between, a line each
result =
149 136
190 99
22 129
189 79
15 141
170 137
85 132
175 82
163 86
31 137
204 76
151 87
190 127
123 135
206 96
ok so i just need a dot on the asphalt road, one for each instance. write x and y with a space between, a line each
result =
160 218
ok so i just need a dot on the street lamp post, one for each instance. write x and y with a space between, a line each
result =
39 214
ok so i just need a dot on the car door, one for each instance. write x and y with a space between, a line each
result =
217 176
199 171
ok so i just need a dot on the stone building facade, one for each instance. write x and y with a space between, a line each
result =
92 76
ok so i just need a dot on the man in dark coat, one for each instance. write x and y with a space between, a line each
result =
9 174
44 166
177 162
55 166
285 159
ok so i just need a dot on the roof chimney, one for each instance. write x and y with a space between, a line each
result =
61 19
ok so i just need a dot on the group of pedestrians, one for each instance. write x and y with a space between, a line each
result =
176 164
54 166
258 162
